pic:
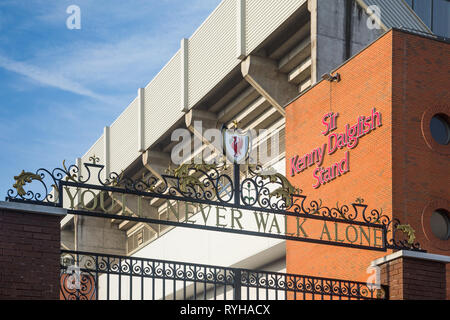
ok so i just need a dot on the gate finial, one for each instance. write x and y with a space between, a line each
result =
409 231
22 179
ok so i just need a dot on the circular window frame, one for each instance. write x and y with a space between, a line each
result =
426 132
432 240
443 217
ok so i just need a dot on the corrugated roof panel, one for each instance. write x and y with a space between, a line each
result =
397 14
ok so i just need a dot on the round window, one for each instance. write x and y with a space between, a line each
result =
440 129
440 224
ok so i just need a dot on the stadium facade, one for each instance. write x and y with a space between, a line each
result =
272 65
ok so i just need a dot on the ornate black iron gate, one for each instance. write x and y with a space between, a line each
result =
92 276
211 185
99 276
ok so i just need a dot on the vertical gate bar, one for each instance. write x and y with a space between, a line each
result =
174 281
184 282
267 287
153 280
358 288
131 279
107 279
164 281
304 288
204 289
257 287
285 287
331 290
295 287
384 240
248 286
349 290
142 279
237 283
322 292
120 279
215 283
340 290
96 277
225 285
237 183
276 288
195 282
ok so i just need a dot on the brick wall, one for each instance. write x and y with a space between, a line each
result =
421 78
421 179
366 83
29 255
414 279
394 168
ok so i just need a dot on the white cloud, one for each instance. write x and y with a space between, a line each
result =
120 65
128 59
116 51
121 46
46 78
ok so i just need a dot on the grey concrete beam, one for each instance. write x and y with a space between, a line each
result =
255 124
304 85
228 96
264 76
302 33
156 162
207 120
238 104
301 72
258 104
298 54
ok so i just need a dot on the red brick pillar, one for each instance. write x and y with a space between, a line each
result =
29 251
414 275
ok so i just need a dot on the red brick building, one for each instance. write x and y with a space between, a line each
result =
400 85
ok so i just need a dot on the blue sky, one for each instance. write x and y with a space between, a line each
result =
59 88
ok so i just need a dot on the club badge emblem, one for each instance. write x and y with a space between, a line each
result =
237 144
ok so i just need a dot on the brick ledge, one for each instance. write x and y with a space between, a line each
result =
32 208
412 255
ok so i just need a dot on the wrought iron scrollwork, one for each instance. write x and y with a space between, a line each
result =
95 270
269 190
77 281
202 182
212 184
309 287
47 190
